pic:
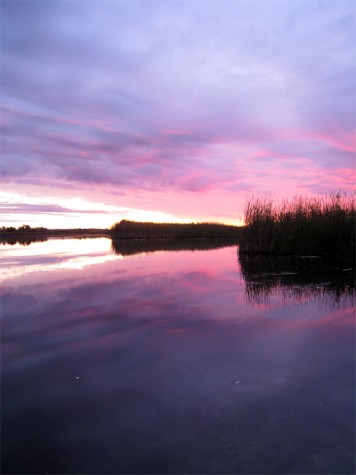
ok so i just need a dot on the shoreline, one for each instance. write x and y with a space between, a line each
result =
55 233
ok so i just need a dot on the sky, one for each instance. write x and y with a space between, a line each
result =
172 110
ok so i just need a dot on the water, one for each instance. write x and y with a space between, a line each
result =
175 361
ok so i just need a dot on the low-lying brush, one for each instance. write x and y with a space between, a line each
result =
305 225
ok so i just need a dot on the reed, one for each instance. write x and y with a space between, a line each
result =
304 225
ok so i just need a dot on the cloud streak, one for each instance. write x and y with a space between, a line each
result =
183 97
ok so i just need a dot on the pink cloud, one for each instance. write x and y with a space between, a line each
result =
137 116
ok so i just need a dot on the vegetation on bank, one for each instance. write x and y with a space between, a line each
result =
26 230
141 230
305 225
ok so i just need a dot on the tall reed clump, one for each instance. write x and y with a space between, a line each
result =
304 225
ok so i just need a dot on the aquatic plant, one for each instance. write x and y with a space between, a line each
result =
304 225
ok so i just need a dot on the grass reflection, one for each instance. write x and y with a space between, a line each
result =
297 279
129 247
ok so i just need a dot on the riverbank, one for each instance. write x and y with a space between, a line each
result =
27 236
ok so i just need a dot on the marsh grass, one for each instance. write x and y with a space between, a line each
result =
304 225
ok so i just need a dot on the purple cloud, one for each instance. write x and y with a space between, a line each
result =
23 208
188 96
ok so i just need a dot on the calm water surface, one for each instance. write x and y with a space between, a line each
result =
181 361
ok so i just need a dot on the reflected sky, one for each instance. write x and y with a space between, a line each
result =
158 363
52 255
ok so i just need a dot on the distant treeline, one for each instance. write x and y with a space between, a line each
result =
305 225
141 230
26 230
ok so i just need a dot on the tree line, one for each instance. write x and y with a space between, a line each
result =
126 229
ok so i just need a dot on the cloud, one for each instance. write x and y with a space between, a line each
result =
184 96
43 208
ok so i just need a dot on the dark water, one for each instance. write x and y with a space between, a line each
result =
182 361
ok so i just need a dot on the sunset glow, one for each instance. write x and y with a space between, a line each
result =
172 111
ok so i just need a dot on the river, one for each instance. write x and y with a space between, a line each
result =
126 358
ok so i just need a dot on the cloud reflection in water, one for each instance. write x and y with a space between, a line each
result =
158 363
